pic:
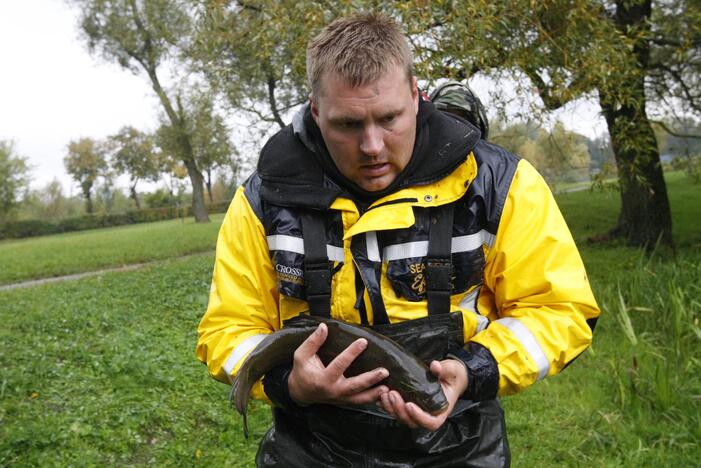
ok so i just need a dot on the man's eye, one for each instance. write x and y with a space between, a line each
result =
348 125
388 119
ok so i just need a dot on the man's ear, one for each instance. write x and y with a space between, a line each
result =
415 94
314 108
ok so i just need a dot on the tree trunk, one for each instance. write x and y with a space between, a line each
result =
134 196
645 214
208 181
187 155
198 207
88 202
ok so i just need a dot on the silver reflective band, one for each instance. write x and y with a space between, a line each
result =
242 350
296 245
372 247
469 302
335 254
471 241
407 250
529 342
420 248
287 243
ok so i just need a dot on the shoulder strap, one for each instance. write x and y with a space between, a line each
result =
439 264
317 271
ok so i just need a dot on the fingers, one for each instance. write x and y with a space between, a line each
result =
341 362
364 381
371 395
311 345
410 414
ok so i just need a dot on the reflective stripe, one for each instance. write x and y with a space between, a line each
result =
334 253
420 248
482 323
471 241
407 250
469 302
288 243
296 245
242 350
524 335
372 247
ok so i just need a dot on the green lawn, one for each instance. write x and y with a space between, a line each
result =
75 252
102 371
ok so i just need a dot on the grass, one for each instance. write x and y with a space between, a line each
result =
76 252
102 371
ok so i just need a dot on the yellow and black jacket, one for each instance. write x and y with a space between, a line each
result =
517 279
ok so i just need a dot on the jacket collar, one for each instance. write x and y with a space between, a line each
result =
296 169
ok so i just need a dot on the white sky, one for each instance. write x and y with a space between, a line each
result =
53 91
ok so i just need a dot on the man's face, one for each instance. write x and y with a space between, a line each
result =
369 130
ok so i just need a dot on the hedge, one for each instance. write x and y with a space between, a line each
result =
36 227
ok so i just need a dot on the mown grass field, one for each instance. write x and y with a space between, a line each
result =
75 252
102 371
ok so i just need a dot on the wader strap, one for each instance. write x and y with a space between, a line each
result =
317 272
439 265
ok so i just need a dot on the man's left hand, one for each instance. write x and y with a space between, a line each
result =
453 378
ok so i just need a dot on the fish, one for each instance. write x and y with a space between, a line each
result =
408 374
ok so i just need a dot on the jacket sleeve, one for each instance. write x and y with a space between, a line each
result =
243 301
535 285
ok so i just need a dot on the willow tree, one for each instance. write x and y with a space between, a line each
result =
630 54
625 53
142 36
133 153
85 162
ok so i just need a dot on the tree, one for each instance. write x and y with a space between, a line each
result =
559 155
133 153
85 162
625 53
211 145
142 35
14 178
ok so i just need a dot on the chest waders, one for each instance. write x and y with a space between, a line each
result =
349 436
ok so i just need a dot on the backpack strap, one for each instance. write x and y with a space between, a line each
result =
317 271
439 264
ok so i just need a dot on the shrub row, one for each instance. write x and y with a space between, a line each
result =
35 227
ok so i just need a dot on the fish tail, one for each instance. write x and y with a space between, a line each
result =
238 397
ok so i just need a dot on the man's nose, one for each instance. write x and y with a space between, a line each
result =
372 141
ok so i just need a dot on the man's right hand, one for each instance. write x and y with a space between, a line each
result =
312 382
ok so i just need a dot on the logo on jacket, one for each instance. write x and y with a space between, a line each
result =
289 274
419 282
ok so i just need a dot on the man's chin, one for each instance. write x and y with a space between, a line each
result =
376 185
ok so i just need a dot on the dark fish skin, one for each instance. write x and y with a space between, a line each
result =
408 375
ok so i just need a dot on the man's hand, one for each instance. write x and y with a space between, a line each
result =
453 378
312 382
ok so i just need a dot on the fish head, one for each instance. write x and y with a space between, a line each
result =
428 395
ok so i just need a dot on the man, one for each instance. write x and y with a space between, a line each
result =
375 208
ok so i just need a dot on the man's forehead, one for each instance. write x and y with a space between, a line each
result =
331 79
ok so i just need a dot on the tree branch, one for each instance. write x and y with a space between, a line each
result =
673 132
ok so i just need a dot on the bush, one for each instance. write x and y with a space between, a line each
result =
33 228
27 228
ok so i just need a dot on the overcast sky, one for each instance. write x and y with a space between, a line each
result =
53 91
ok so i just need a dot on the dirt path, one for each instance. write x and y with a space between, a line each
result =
86 274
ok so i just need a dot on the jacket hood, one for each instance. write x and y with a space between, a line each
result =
297 170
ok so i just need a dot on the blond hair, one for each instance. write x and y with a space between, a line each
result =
359 49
